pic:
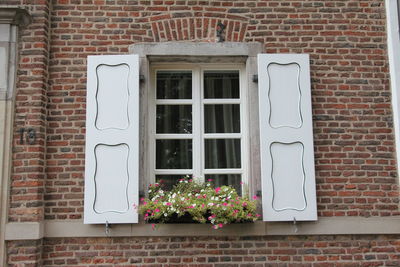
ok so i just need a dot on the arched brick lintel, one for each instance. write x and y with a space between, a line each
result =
170 28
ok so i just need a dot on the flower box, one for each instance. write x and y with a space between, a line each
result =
194 202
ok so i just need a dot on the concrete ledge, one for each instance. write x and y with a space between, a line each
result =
196 48
15 15
324 226
24 231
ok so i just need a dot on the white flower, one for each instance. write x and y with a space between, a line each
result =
210 204
182 198
165 214
174 195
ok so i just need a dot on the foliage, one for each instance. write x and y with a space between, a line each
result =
201 201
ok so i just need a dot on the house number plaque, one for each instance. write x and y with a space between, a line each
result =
27 136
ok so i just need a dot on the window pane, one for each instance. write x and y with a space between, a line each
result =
226 179
174 154
174 84
221 84
174 119
222 153
168 181
222 118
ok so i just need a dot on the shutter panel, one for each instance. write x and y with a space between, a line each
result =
112 139
287 154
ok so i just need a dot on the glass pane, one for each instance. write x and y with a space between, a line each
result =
168 181
226 179
174 85
221 84
174 154
174 119
222 118
222 153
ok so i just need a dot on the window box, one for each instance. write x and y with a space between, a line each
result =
197 202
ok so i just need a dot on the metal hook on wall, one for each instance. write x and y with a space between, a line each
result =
107 230
295 225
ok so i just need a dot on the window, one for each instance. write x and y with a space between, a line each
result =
192 118
198 124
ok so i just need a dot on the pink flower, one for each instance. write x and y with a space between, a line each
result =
241 183
220 225
168 203
225 204
157 210
235 211
255 197
209 180
258 215
202 205
217 189
142 199
244 204
144 203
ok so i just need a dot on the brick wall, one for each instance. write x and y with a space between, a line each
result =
29 160
26 253
224 251
353 131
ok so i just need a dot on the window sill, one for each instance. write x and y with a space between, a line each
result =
324 226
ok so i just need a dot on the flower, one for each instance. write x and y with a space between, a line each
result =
198 201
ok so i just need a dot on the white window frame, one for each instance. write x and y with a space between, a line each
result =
393 42
200 52
198 136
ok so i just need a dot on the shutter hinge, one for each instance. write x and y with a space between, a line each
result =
255 78
141 78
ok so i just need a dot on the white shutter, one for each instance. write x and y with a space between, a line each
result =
287 154
112 139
